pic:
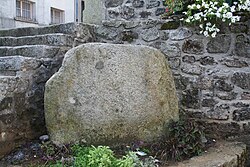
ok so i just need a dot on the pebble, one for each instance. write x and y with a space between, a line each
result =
44 138
19 156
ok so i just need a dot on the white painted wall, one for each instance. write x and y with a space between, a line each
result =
66 5
43 15
7 13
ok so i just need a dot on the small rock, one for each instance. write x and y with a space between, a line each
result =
150 34
193 47
180 34
19 156
145 14
35 146
127 12
44 138
152 4
220 44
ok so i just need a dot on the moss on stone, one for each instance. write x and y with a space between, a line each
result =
170 25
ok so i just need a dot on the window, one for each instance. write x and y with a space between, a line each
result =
57 16
25 10
79 7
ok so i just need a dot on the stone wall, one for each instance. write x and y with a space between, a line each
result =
28 58
133 9
212 75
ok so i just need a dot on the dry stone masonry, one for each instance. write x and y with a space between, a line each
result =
212 75
133 9
109 94
28 58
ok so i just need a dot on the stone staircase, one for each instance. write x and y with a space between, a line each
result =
28 58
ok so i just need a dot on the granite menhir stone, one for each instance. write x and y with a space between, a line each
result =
109 94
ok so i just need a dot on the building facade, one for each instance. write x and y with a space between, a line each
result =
25 13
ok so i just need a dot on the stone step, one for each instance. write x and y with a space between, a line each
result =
223 154
15 63
10 65
47 39
68 28
38 51
74 29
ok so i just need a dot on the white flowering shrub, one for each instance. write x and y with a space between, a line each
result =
210 13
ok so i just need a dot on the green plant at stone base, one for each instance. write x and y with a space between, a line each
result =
49 148
184 140
101 156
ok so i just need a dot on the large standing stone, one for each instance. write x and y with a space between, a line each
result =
107 94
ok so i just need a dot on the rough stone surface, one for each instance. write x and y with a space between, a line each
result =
145 14
235 63
150 34
191 98
219 44
127 12
224 76
128 35
106 94
226 154
241 114
170 49
220 112
107 33
193 47
226 95
207 60
160 11
138 3
180 34
113 3
24 70
242 80
152 3
242 46
192 69
223 85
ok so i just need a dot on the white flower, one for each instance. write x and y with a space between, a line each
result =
225 5
188 20
232 9
208 24
198 6
218 14
205 33
213 34
233 20
229 14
